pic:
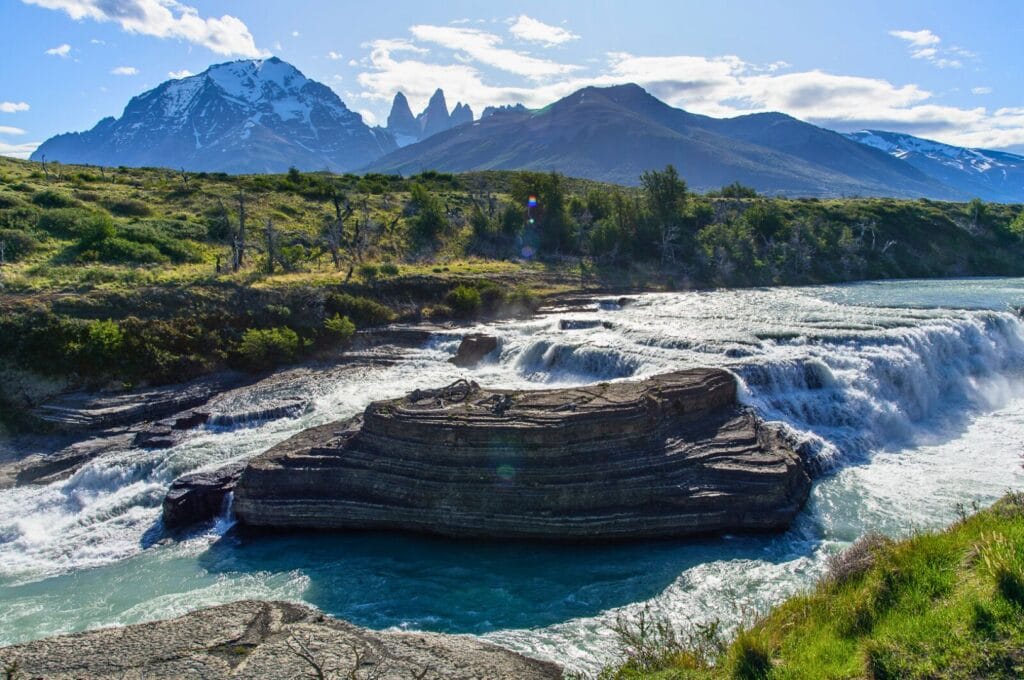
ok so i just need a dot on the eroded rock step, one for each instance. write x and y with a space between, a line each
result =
671 455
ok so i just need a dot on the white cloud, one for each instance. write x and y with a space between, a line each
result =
8 130
183 73
369 117
484 47
334 56
922 38
125 71
295 34
532 30
923 44
60 50
13 107
226 35
95 41
18 150
981 90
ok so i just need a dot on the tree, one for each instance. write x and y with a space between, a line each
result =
1017 226
666 199
430 220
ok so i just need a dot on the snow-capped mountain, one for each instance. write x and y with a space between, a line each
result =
259 115
989 175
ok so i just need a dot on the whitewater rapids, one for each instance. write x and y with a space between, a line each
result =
909 394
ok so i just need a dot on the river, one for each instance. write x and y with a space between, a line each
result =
909 394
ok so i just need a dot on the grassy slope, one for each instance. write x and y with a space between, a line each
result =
946 604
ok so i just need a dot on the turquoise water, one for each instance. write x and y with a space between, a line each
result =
910 393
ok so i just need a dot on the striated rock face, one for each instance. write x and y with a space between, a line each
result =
262 640
671 455
199 497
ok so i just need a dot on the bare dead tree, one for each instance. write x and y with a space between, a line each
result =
238 256
42 164
270 235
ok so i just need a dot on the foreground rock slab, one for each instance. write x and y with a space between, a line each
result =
261 640
671 455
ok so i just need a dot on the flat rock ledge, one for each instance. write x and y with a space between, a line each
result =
672 455
259 640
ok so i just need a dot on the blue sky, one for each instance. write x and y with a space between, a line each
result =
944 70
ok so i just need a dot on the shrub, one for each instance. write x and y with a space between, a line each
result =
118 250
362 311
492 296
339 329
464 301
856 560
127 207
368 271
157 235
261 349
62 222
49 198
8 200
522 300
389 269
17 244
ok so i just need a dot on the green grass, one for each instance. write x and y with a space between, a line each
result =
946 604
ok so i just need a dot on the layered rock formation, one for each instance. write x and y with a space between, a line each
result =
262 640
671 455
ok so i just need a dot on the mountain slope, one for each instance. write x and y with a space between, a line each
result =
614 134
989 175
242 116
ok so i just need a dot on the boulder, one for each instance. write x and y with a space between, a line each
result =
473 348
199 497
671 455
256 640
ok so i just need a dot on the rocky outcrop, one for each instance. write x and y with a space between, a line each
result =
199 497
473 348
89 411
259 640
667 456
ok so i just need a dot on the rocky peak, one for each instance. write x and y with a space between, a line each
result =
461 114
401 123
435 117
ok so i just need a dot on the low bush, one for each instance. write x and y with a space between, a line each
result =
362 311
464 301
50 198
338 330
17 244
261 349
127 207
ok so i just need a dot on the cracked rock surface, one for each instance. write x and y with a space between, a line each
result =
261 640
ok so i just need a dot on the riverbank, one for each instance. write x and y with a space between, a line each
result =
943 604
